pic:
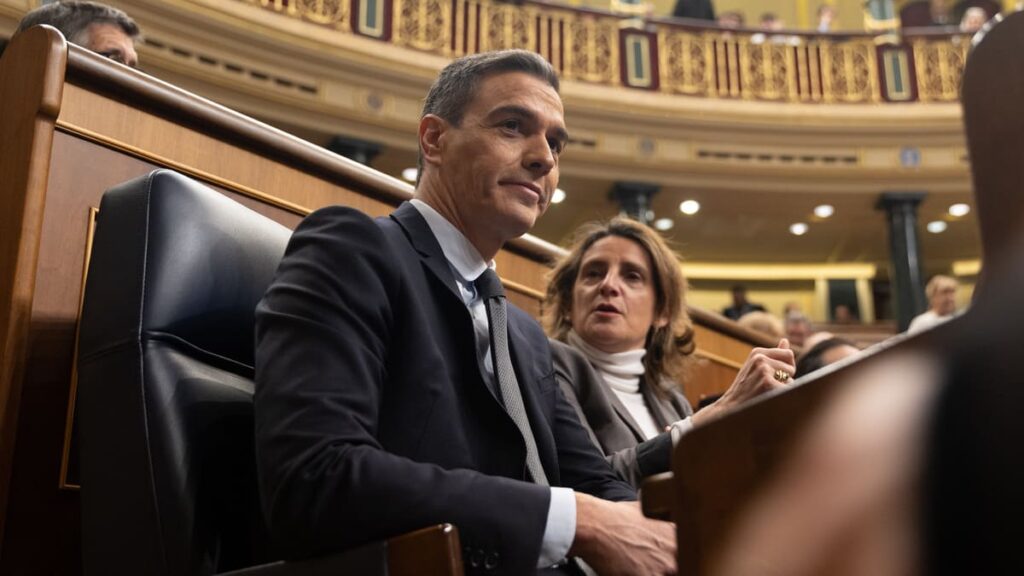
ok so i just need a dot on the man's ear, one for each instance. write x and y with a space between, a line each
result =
431 135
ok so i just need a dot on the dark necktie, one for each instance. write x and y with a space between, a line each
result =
489 288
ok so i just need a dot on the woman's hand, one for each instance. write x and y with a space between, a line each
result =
765 369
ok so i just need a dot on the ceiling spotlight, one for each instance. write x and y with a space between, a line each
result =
959 210
937 226
824 211
558 196
410 174
689 207
664 224
798 229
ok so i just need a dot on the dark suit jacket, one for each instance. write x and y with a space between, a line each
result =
608 421
372 416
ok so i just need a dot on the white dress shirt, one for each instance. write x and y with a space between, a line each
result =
467 265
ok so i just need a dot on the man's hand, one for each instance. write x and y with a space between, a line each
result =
615 538
757 376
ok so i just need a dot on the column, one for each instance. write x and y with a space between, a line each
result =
634 199
905 253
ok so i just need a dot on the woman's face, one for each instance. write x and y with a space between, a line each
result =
613 298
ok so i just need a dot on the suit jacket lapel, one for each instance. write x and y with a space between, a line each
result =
433 259
423 240
623 413
655 405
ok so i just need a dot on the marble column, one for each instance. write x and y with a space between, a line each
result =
905 253
634 199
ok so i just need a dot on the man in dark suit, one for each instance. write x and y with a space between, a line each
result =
378 408
740 304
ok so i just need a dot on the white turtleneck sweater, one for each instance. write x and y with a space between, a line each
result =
621 372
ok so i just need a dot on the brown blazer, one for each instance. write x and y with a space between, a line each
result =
608 421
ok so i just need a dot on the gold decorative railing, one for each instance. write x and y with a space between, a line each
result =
665 55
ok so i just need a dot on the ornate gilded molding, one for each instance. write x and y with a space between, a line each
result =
661 55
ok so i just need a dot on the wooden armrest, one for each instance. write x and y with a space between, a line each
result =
433 551
657 496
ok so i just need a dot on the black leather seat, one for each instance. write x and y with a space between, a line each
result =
165 391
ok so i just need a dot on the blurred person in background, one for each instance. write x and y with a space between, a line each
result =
106 31
764 323
740 305
731 19
941 293
974 18
621 340
826 18
842 314
798 328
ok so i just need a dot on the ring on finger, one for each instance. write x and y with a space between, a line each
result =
782 376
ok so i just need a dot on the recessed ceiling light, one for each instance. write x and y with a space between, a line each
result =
798 229
689 207
410 174
937 226
959 210
664 224
824 210
558 196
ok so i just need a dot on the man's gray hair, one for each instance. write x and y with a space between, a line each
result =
73 18
456 86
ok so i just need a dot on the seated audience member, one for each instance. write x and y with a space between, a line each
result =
105 30
974 18
824 353
798 328
387 397
770 26
618 298
842 314
826 18
696 9
740 305
921 13
941 293
764 323
730 19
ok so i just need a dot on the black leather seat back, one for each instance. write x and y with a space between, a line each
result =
165 380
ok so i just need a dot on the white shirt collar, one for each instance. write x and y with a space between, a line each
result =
462 256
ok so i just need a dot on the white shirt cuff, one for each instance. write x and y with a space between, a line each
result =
560 530
680 427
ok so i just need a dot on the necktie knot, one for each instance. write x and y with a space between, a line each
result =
488 285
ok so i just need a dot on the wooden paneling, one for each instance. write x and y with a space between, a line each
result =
30 92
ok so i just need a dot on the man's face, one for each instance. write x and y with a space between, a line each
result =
109 40
944 299
739 297
498 169
797 331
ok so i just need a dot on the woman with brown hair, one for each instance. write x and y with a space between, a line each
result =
616 311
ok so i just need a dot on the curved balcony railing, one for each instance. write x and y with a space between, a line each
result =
664 55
